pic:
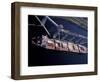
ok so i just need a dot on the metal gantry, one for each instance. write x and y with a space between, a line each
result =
60 29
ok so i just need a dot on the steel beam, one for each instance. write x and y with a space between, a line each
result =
43 25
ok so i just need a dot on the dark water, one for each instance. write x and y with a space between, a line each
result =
42 57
